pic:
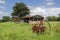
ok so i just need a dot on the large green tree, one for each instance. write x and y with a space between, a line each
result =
20 10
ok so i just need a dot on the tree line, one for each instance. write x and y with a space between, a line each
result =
53 18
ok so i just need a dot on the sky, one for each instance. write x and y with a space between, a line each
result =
37 7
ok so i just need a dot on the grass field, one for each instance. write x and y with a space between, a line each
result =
22 31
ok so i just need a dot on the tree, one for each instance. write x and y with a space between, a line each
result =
5 19
52 18
58 19
20 10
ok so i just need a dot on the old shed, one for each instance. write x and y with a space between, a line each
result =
31 18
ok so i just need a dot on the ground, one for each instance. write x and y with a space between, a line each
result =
22 31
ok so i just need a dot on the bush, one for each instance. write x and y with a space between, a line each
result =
5 19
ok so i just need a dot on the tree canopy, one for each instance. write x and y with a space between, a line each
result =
58 19
53 18
5 18
20 10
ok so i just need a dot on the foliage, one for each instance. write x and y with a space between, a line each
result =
51 18
0 20
20 10
5 19
58 19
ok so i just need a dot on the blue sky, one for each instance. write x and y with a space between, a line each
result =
37 7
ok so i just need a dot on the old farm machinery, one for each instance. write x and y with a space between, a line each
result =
40 27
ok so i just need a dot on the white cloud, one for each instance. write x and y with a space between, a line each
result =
50 3
3 14
53 11
45 11
49 0
37 10
2 2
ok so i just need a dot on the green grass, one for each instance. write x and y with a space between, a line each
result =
22 31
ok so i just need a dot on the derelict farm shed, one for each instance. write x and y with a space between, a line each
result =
29 18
